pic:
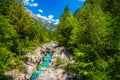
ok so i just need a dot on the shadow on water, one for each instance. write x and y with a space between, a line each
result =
66 52
71 76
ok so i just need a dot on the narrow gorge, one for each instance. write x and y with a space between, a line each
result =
55 70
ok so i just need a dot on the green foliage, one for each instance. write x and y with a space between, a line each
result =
5 59
107 6
8 61
116 35
94 70
93 29
114 66
18 35
93 39
4 4
3 77
8 34
67 22
29 32
91 34
58 62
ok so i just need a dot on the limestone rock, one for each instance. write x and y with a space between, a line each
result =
49 73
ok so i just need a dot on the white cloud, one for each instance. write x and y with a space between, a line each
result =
81 0
49 21
30 3
40 16
49 18
44 17
32 0
33 4
40 10
25 1
56 22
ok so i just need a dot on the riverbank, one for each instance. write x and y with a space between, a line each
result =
56 69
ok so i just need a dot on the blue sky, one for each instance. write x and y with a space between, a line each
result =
51 10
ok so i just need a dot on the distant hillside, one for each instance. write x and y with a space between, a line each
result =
42 22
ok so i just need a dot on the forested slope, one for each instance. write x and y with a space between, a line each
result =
18 35
92 36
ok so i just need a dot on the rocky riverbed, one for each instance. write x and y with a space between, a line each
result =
55 71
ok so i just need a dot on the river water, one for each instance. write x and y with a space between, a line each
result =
45 63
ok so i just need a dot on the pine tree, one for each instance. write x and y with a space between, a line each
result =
29 32
8 34
19 18
91 39
4 5
67 22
